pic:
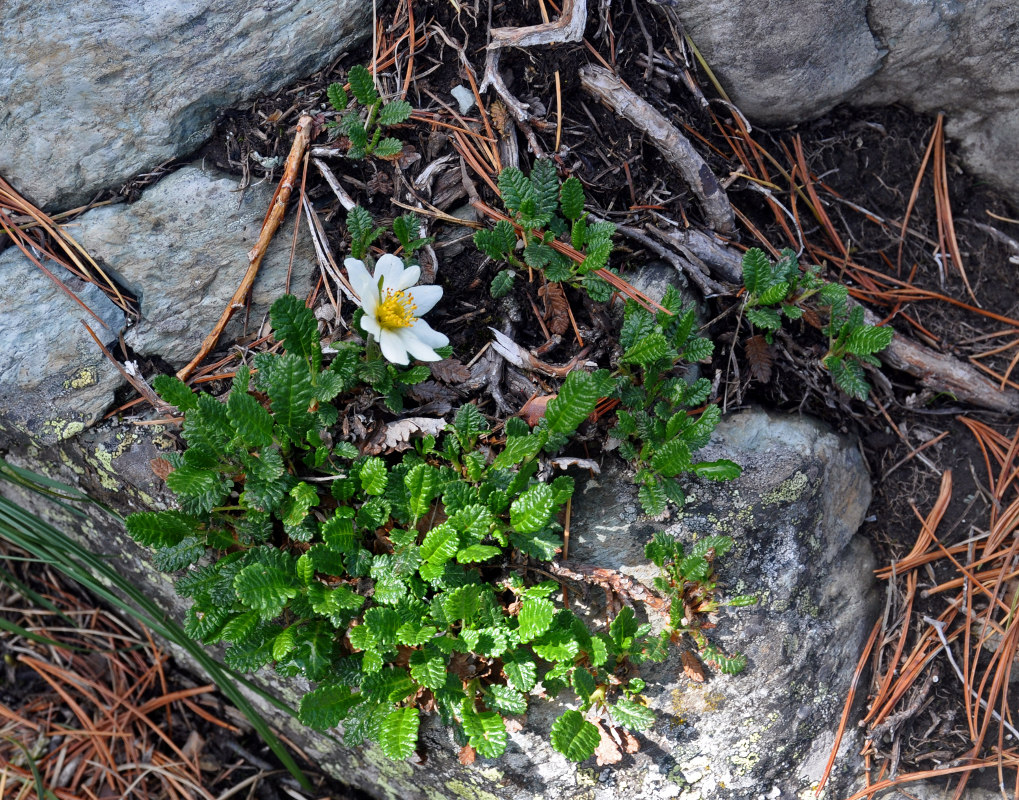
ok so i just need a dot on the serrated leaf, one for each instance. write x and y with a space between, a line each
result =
546 186
505 699
251 421
295 325
374 476
698 349
637 325
290 394
514 188
265 589
199 490
175 392
399 733
521 672
388 147
440 544
869 339
651 348
502 283
462 604
575 737
498 242
574 403
337 97
537 255
486 733
622 629
571 198
632 715
652 497
186 552
394 113
338 533
773 294
428 668
557 645
518 449
849 377
160 528
534 618
672 458
362 85
326 706
477 553
721 470
756 269
530 512
766 318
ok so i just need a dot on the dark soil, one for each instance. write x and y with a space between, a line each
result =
869 158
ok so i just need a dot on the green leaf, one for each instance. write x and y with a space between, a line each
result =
756 269
514 188
848 376
388 147
186 552
290 394
583 684
574 403
265 589
520 448
175 392
502 283
557 645
520 671
463 603
869 339
469 423
428 668
326 706
695 568
440 544
538 255
720 470
622 629
374 476
575 737
362 85
422 482
302 498
535 617
338 533
698 349
545 181
477 553
251 421
486 733
774 294
543 544
497 243
199 490
161 528
672 458
651 348
632 715
531 511
295 325
638 324
571 198
394 113
337 97
505 699
399 733
766 318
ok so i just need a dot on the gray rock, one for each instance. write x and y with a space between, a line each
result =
787 62
182 249
803 493
764 732
54 379
782 61
97 92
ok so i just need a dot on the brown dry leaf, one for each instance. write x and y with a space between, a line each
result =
630 743
557 308
812 318
692 667
607 751
160 468
759 357
396 436
450 370
534 409
467 755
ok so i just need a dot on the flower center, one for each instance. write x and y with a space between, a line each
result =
397 310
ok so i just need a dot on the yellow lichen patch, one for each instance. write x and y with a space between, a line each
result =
788 492
86 376
695 700
467 791
62 428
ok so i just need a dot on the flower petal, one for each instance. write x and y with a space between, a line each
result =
393 346
409 278
431 337
358 276
390 269
371 325
425 298
415 346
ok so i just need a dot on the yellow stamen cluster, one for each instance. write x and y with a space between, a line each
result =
397 310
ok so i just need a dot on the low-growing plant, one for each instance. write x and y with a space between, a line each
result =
397 584
656 427
364 128
783 289
543 209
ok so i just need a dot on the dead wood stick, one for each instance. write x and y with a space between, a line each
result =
623 585
606 87
944 373
270 224
568 28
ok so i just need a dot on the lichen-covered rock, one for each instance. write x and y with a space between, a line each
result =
182 249
764 732
54 379
97 92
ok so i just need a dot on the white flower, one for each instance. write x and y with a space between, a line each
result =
393 306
